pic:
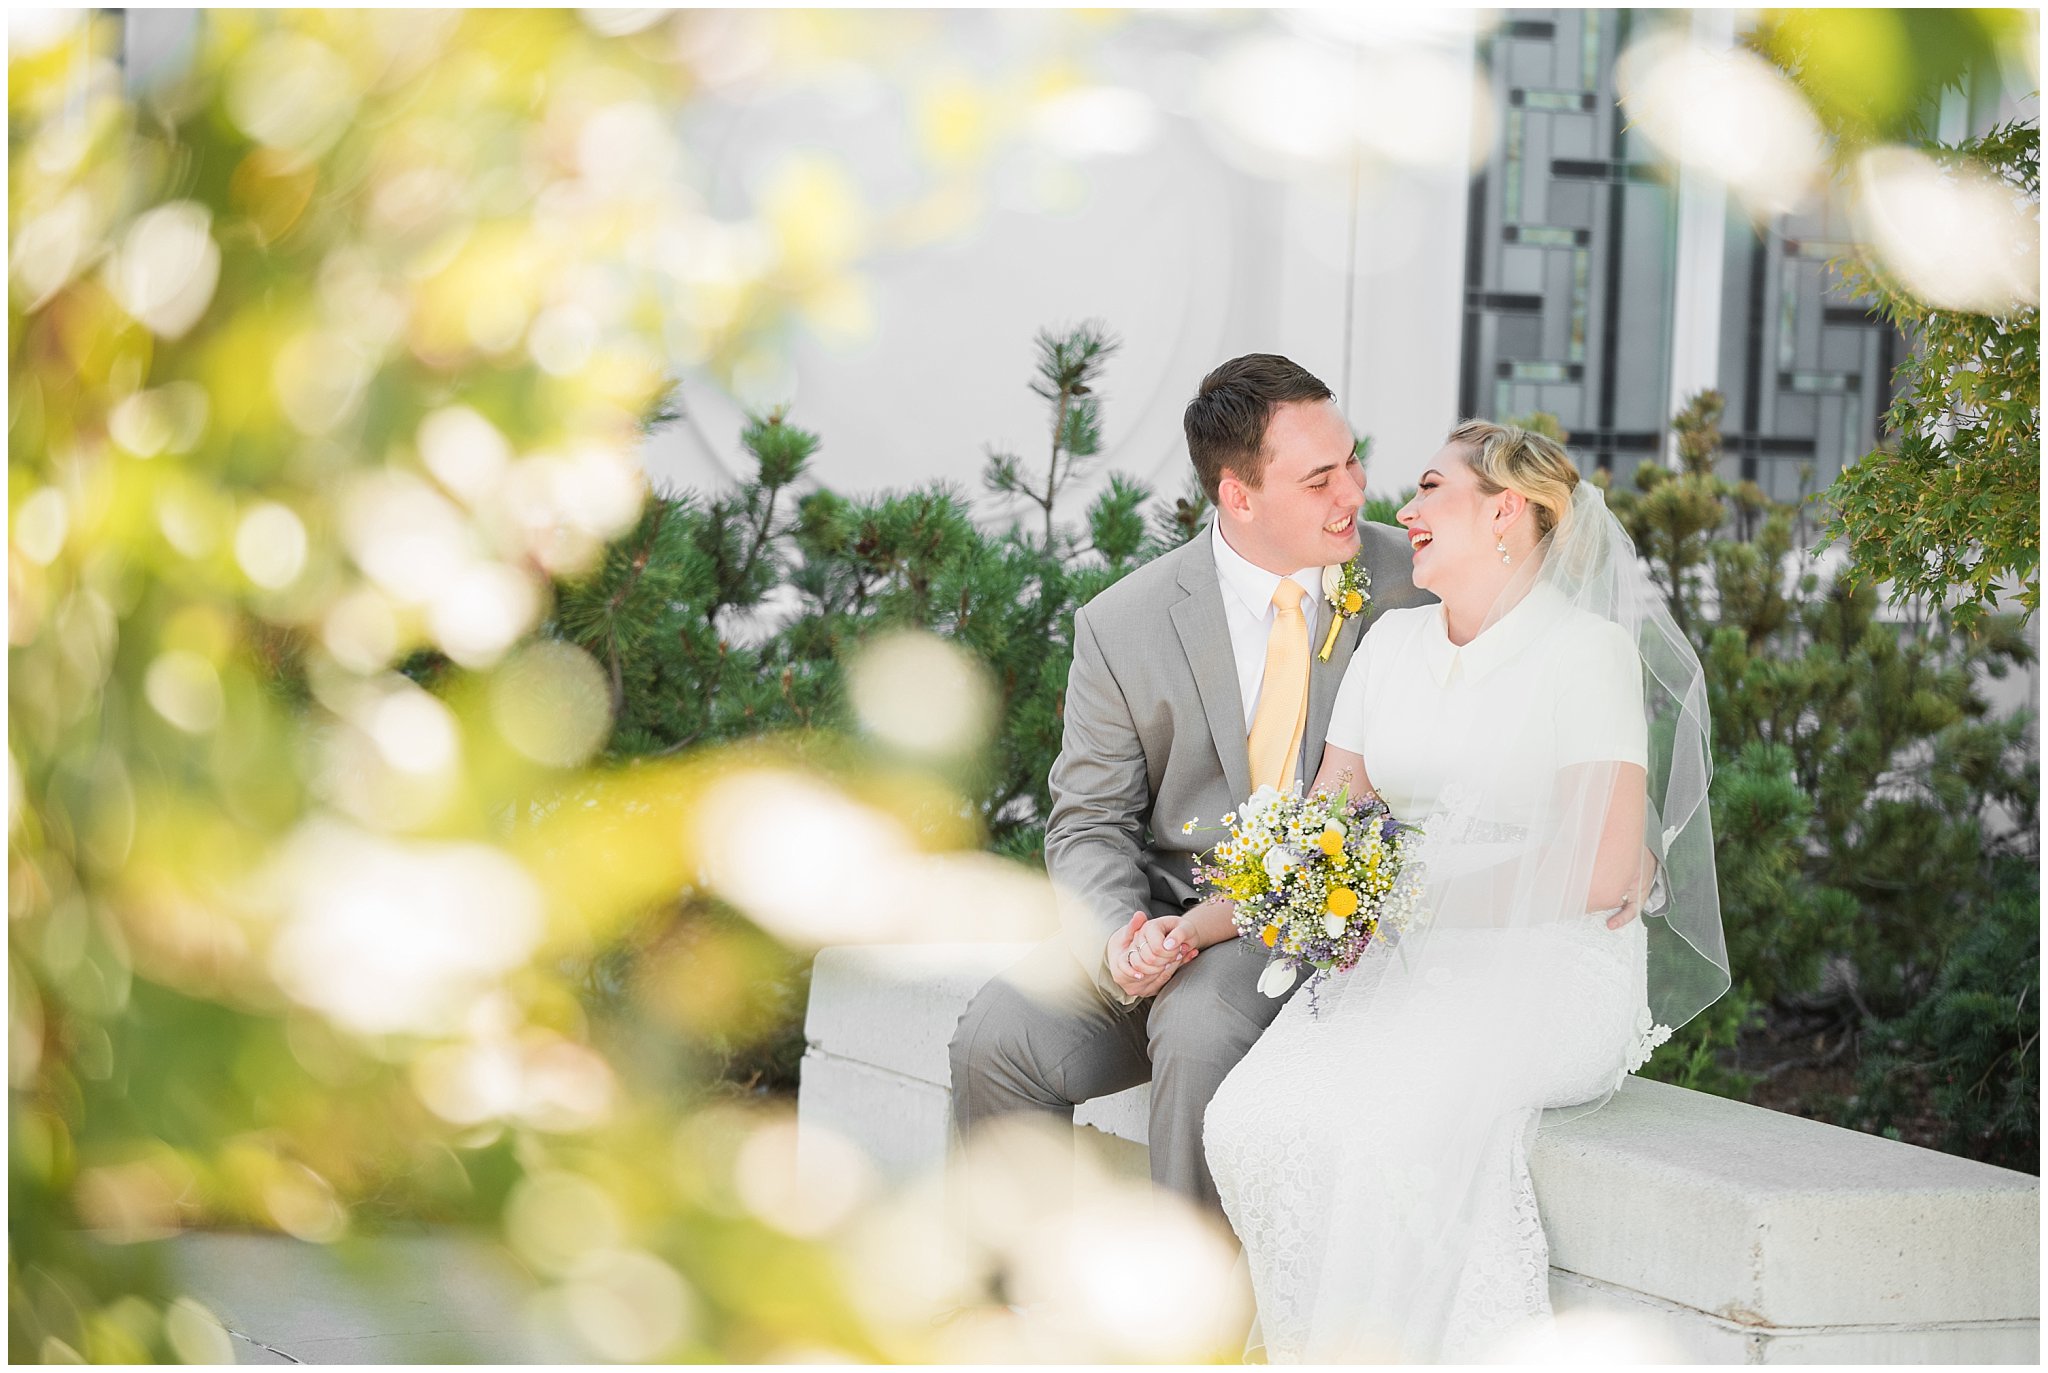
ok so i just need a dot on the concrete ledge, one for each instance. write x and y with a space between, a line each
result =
894 1006
443 1297
1694 1336
1749 1235
1784 1221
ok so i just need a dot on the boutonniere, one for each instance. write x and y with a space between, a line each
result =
1348 589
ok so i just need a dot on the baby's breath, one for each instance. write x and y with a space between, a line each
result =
1317 905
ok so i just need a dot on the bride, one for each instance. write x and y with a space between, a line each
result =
1545 725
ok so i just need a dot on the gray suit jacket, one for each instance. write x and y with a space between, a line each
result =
1155 735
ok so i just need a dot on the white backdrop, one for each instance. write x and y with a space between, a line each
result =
1216 237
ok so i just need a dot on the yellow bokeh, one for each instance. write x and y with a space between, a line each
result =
814 213
955 119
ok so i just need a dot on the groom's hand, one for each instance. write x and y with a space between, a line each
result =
1140 957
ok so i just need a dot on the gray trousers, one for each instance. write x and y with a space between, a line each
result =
1065 1042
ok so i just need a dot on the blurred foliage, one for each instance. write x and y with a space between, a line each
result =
1949 509
1877 75
343 850
1936 934
1378 509
1541 422
1383 509
1972 1044
1858 765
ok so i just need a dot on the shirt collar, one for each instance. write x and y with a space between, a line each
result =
1252 585
1495 645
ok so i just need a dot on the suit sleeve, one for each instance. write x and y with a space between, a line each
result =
1094 836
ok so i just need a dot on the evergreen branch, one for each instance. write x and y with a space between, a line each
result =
616 674
635 571
1052 467
1068 365
760 538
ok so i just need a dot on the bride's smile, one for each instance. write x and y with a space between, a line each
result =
1468 537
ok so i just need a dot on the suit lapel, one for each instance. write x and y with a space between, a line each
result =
1205 639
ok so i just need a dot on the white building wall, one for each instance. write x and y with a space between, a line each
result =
1187 256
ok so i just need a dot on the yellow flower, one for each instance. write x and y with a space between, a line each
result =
1353 603
1341 901
1270 935
1331 842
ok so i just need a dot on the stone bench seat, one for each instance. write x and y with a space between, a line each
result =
1746 1235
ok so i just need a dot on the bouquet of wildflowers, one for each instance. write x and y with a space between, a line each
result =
1314 878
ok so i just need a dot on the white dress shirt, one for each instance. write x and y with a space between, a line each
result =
1248 610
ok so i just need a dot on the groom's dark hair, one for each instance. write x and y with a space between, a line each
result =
1226 421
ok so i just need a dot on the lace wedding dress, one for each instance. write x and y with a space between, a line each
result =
1384 1213
1372 1148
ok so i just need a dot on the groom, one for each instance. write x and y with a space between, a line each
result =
1196 679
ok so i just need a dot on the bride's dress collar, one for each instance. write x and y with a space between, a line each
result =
1499 643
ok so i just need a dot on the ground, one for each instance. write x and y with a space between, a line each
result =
1809 1069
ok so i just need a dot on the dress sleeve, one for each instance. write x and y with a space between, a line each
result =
1347 713
1600 717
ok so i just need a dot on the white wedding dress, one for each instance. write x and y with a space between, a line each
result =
1372 1148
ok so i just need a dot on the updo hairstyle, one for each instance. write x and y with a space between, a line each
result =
1506 458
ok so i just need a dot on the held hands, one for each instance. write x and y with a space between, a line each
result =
1144 954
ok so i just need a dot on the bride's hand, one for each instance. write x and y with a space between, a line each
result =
1164 943
1617 916
1649 891
1137 958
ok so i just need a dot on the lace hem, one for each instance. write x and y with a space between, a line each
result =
1650 1036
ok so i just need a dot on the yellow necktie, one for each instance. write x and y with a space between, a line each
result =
1275 743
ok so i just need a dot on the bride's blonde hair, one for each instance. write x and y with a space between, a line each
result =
1506 458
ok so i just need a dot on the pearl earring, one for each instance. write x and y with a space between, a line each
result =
1500 546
